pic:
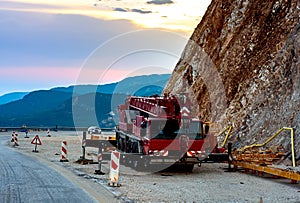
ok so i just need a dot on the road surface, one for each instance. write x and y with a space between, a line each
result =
24 179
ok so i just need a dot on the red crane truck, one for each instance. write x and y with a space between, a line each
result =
159 131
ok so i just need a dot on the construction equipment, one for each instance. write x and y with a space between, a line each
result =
159 130
229 130
281 151
261 158
105 142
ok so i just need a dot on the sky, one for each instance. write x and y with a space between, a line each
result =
51 43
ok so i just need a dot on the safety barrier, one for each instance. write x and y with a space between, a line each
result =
260 161
271 138
99 157
114 169
16 140
64 151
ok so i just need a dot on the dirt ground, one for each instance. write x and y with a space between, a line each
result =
208 183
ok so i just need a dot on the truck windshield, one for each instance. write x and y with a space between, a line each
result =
166 129
170 130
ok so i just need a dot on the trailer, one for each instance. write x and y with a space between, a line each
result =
159 131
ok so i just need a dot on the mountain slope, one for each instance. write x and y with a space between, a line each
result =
129 86
135 84
6 98
82 105
85 89
81 111
242 66
34 102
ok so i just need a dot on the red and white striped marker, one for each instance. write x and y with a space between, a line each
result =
100 157
16 140
114 168
13 136
84 143
48 133
185 111
99 172
64 151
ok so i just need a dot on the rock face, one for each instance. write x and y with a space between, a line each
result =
242 66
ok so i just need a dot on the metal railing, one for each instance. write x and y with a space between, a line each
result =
228 129
271 138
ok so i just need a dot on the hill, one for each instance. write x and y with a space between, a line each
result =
142 84
6 98
79 105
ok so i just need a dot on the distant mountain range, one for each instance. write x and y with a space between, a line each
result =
4 99
80 105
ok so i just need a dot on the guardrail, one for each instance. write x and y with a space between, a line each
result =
271 138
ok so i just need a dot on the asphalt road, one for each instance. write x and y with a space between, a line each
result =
24 179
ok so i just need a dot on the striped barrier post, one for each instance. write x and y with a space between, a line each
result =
82 159
99 157
48 133
114 169
13 136
64 151
83 148
16 140
83 145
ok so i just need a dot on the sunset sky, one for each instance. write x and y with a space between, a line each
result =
50 43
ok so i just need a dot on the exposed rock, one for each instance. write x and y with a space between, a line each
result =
242 65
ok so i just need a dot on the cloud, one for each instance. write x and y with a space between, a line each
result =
37 39
141 11
23 5
120 9
160 2
132 10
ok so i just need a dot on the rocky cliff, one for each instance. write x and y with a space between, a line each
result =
242 65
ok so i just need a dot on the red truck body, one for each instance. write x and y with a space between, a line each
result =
161 127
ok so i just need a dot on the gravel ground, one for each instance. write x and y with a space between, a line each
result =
208 183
